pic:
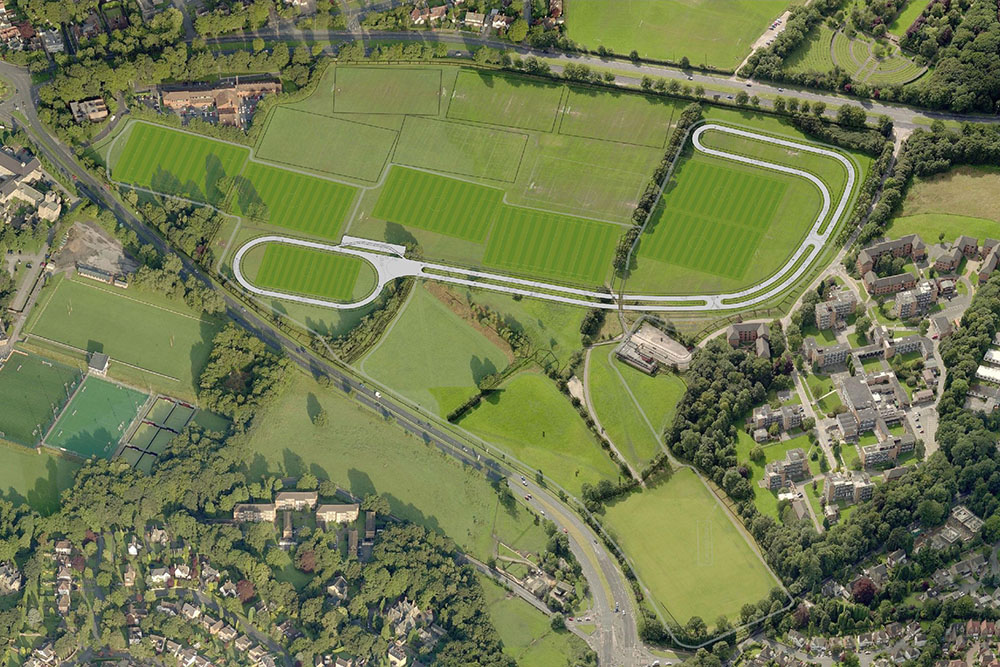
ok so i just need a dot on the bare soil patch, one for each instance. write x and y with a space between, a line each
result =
87 243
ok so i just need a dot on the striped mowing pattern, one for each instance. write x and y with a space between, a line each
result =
438 204
306 271
177 163
552 245
296 201
714 219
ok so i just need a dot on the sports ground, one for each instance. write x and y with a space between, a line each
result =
32 391
96 418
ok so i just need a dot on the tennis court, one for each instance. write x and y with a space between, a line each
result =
160 411
179 417
96 418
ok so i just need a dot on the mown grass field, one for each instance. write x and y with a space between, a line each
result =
532 420
176 163
136 327
312 272
35 477
396 90
433 356
326 145
464 150
621 117
483 97
32 389
295 201
907 15
365 454
96 418
688 551
714 32
931 225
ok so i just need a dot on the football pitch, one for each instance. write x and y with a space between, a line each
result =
32 390
304 270
383 90
96 418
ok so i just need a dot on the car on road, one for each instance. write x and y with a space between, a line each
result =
524 481
565 530
378 395
528 497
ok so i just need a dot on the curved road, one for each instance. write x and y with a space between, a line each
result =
390 266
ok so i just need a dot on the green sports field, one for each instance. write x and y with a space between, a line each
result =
714 32
395 90
464 150
483 97
688 551
35 477
96 418
299 270
175 162
160 411
622 117
531 419
432 356
32 390
295 201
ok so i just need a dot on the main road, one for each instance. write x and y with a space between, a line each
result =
616 640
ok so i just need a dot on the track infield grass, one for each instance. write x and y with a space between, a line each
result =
96 418
312 272
528 417
177 163
688 551
365 454
410 91
511 101
32 390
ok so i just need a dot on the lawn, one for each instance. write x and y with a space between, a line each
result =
529 418
301 270
526 633
32 391
930 226
971 192
813 55
175 162
397 90
432 355
464 150
139 328
330 146
35 477
510 101
550 245
906 16
713 32
765 499
458 208
365 454
621 117
688 551
96 418
294 201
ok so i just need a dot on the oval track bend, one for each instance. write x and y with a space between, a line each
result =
390 264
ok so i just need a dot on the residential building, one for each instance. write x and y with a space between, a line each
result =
913 302
397 653
295 500
887 450
949 261
910 245
93 110
10 578
788 416
989 264
475 20
847 487
792 467
405 616
890 284
337 589
831 314
52 41
50 207
749 332
968 245
335 514
825 356
254 512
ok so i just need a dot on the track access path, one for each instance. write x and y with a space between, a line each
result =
390 263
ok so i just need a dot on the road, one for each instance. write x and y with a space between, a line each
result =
616 640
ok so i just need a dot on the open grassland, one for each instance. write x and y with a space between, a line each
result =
813 54
688 551
96 418
510 101
312 272
552 245
324 144
527 633
32 390
907 15
35 477
528 417
295 201
930 226
713 32
966 191
432 355
397 90
765 499
365 454
622 117
465 150
456 208
135 327
176 163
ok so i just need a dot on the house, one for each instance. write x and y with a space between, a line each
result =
890 284
968 245
472 20
63 604
129 577
209 573
337 589
742 333
182 572
227 634
335 514
228 590
254 512
397 654
63 548
295 500
159 575
243 644
502 22
910 245
405 616
52 41
941 326
190 612
989 264
948 261
93 110
10 579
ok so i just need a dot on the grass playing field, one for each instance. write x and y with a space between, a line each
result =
502 100
366 454
179 417
139 328
312 272
532 420
32 389
177 163
96 418
465 150
432 355
688 551
714 32
329 145
295 201
621 117
396 90
36 478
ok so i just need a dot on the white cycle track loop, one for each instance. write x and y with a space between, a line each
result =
389 266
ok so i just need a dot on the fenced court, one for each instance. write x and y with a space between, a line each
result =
143 436
179 417
160 411
97 417
32 391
